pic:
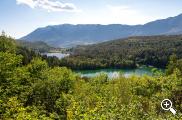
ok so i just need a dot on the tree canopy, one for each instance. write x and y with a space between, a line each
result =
36 91
126 53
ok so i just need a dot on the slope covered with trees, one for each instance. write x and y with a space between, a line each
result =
30 90
38 46
36 91
126 53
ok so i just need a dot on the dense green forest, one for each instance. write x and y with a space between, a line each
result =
31 90
126 53
39 46
36 46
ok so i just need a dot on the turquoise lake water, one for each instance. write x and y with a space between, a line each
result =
114 73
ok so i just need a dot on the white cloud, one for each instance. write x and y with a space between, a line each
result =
126 14
111 14
49 5
120 10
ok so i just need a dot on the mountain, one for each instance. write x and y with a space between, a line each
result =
67 35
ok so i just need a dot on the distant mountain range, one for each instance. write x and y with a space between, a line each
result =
67 35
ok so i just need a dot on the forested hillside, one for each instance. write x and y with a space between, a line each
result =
126 53
34 91
36 46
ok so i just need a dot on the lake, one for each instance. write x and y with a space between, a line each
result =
58 55
114 73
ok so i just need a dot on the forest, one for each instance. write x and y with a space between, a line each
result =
126 53
34 88
38 46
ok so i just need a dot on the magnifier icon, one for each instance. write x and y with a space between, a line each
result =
166 104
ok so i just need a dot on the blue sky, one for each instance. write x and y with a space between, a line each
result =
20 17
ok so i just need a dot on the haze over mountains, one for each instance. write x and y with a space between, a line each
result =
67 35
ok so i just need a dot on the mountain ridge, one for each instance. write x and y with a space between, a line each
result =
68 35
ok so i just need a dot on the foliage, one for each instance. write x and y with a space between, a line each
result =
27 54
24 86
38 46
126 53
7 44
36 91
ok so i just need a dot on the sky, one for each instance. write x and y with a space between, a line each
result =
20 17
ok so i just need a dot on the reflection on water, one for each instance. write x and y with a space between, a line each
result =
58 55
115 73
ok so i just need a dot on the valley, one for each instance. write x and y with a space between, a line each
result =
99 79
91 60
